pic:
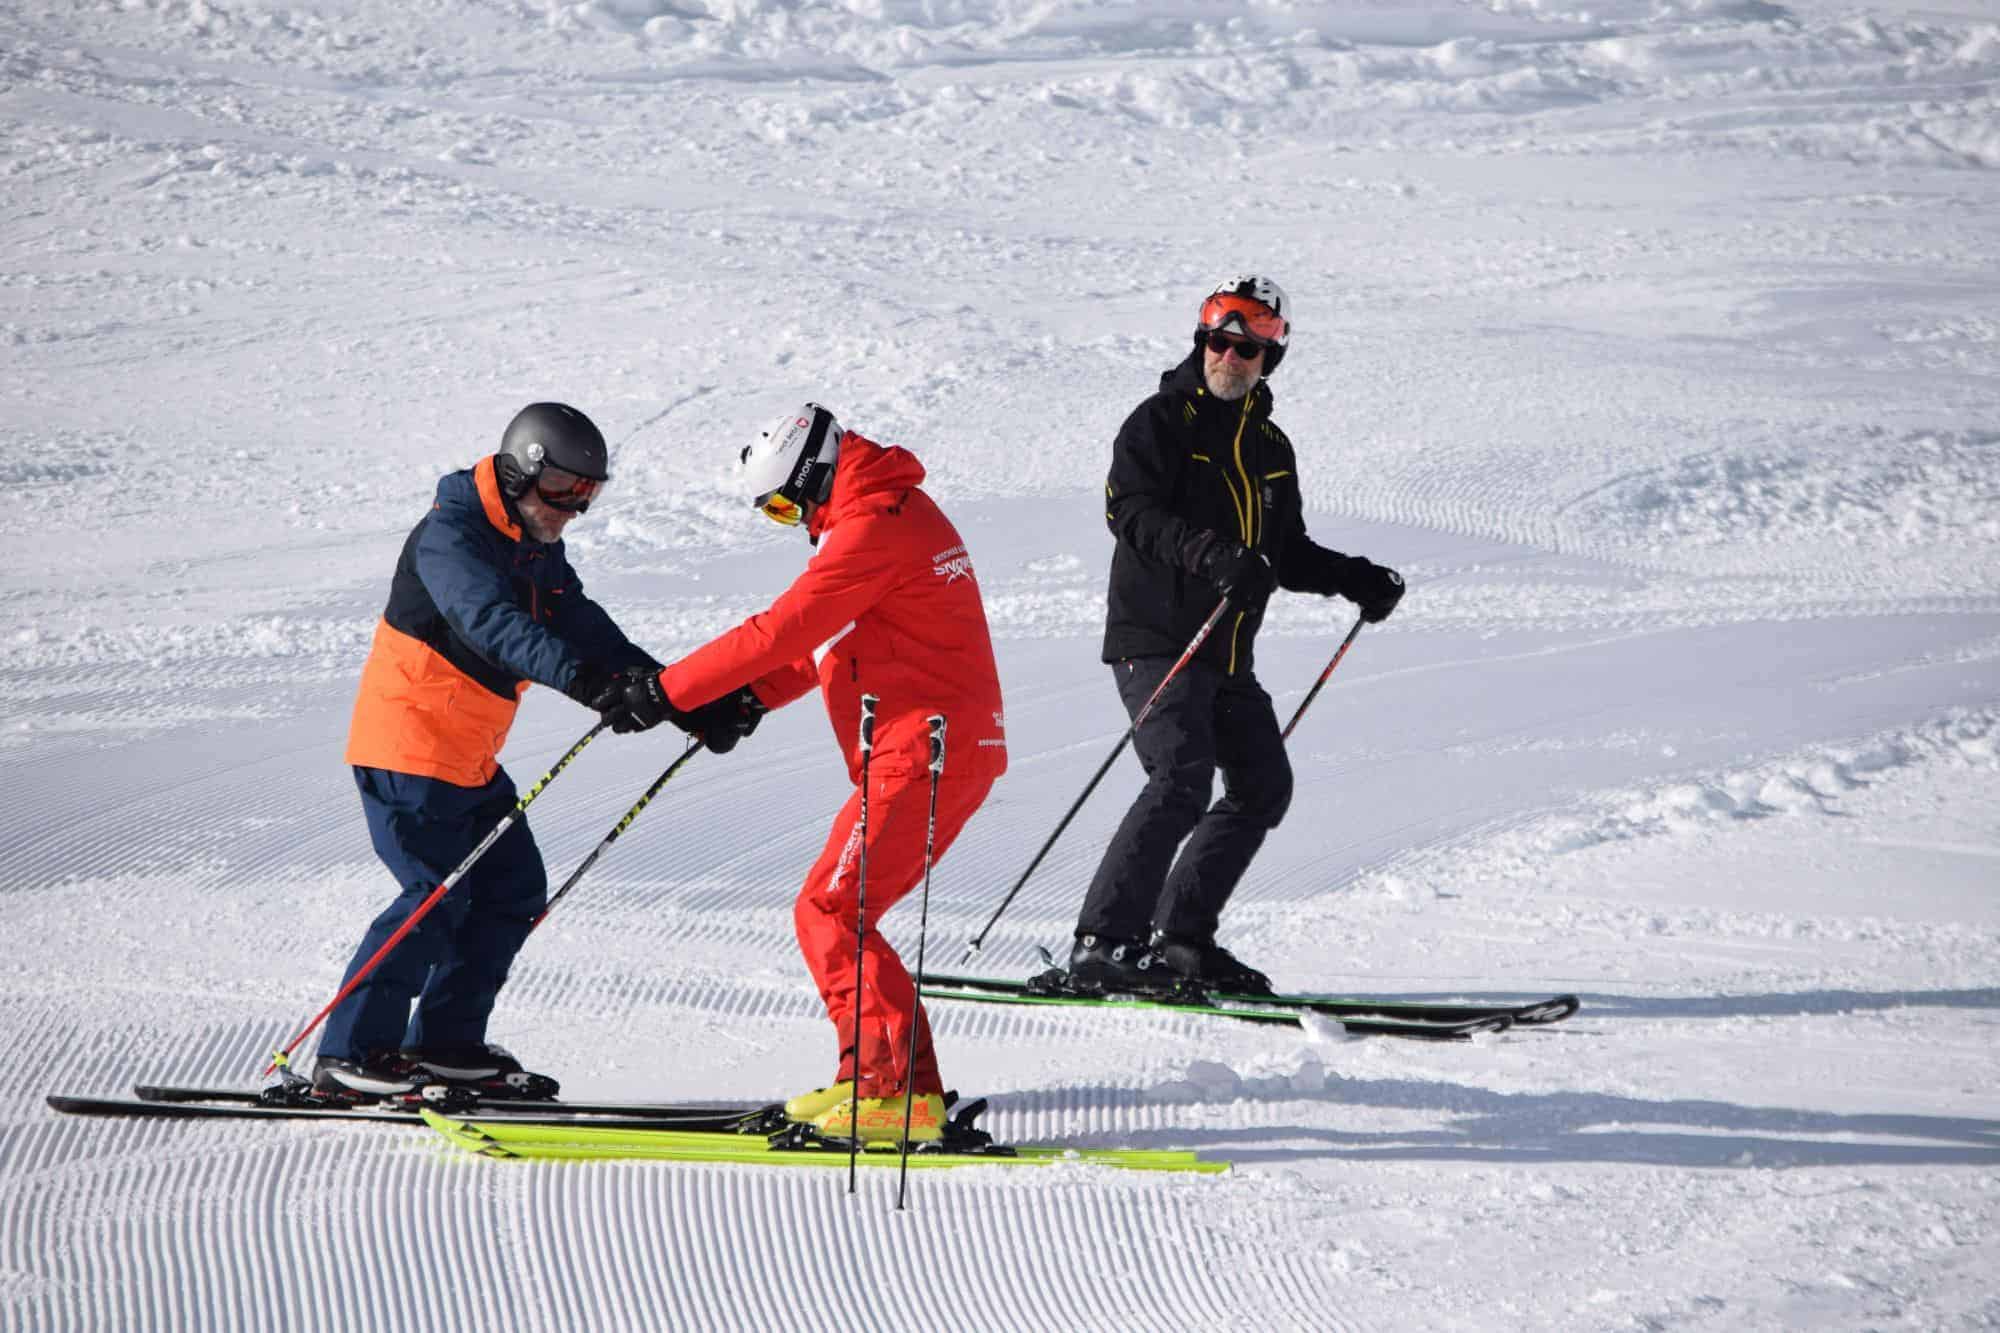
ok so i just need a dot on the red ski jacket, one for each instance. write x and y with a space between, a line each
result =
887 606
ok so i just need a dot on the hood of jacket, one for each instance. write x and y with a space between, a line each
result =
866 473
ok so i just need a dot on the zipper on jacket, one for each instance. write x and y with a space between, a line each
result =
1248 513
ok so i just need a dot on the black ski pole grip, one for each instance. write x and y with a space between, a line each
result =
868 702
937 742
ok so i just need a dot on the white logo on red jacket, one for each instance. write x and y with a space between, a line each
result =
952 565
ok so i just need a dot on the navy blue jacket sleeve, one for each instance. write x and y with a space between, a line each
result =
590 630
464 564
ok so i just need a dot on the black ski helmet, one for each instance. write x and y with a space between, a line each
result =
549 435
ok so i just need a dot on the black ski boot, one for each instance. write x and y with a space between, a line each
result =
381 1076
1211 967
485 1069
1099 963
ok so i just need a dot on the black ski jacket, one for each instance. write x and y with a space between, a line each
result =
1184 462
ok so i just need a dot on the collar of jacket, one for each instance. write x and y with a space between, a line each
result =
486 479
1187 378
866 472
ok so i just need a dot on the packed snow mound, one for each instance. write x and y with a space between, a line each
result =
1812 782
1803 506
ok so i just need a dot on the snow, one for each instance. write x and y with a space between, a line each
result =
1653 340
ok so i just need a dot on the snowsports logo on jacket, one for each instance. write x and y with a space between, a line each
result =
953 564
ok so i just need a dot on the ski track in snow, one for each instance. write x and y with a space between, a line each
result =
1651 339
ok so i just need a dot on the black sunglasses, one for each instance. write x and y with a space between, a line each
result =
1248 349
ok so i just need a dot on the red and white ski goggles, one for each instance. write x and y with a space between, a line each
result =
565 490
1250 317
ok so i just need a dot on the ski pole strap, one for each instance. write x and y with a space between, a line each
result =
868 702
936 721
1313 693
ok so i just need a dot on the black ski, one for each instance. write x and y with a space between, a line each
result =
239 1107
281 1096
1183 1003
1368 1016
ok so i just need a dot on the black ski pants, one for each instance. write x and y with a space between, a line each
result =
1206 720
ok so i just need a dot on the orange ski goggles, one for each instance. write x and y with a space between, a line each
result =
1248 316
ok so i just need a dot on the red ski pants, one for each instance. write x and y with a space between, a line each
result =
825 914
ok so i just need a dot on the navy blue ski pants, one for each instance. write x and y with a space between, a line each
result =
455 961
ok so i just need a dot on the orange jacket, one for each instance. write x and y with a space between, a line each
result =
887 606
476 610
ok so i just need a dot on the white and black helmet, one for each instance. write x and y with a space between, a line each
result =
1248 306
788 468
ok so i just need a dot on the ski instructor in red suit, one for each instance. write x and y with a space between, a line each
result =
888 606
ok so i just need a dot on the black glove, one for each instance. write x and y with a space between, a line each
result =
597 687
1374 588
1238 573
723 722
645 705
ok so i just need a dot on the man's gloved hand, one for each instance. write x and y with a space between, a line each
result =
645 704
724 721
597 687
1374 588
1238 573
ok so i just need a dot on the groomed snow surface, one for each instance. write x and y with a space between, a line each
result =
1655 341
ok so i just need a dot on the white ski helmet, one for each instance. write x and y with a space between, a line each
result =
788 468
1253 307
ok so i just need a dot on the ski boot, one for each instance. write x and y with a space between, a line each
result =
377 1077
1099 963
878 1121
1211 967
483 1069
810 1106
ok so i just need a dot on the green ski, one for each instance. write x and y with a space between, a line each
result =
589 1143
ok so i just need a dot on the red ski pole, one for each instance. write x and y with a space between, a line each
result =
282 1056
1313 693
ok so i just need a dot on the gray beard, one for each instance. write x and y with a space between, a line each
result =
538 527
1227 385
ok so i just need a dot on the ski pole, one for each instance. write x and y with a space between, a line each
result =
868 702
694 744
282 1055
978 941
917 988
1313 693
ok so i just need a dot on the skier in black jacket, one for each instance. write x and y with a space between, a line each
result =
1203 498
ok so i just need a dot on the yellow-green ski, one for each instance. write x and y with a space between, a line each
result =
586 1143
